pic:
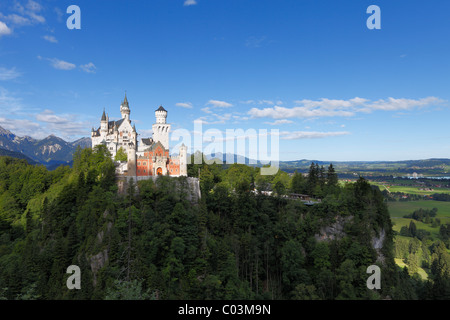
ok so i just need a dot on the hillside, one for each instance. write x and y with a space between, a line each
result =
18 155
152 243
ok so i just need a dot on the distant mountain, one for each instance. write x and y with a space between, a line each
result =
50 151
83 143
18 155
425 166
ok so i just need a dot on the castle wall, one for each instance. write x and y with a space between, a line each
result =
194 194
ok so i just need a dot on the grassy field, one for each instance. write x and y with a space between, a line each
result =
420 271
410 189
399 209
416 190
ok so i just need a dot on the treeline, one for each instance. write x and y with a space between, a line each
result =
150 242
433 257
423 215
441 196
412 231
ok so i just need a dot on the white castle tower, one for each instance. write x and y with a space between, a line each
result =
116 134
125 109
183 160
161 128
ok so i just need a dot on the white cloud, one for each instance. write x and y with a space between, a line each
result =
9 74
50 39
64 125
331 104
23 127
59 14
59 64
38 125
278 122
8 103
190 2
340 108
255 42
31 10
278 112
4 30
392 104
145 133
49 116
286 135
186 105
33 6
89 67
266 102
219 104
262 102
16 20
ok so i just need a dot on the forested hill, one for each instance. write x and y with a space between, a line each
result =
18 155
151 243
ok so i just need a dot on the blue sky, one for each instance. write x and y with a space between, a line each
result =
334 89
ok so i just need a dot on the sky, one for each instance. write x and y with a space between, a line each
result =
306 74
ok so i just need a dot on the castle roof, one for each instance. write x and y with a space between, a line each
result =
161 109
103 115
156 144
115 123
147 141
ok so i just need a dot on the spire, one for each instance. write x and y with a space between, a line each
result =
103 115
125 101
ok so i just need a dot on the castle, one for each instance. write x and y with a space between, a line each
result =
148 158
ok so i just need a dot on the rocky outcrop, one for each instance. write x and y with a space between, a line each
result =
192 191
97 262
377 244
334 231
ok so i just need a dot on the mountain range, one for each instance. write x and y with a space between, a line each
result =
51 151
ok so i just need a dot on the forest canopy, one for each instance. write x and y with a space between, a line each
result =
236 242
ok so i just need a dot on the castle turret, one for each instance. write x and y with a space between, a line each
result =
161 129
125 109
104 122
183 160
131 154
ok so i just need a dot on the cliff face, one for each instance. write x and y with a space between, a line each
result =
378 243
336 231
190 185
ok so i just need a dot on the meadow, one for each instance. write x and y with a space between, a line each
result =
399 209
